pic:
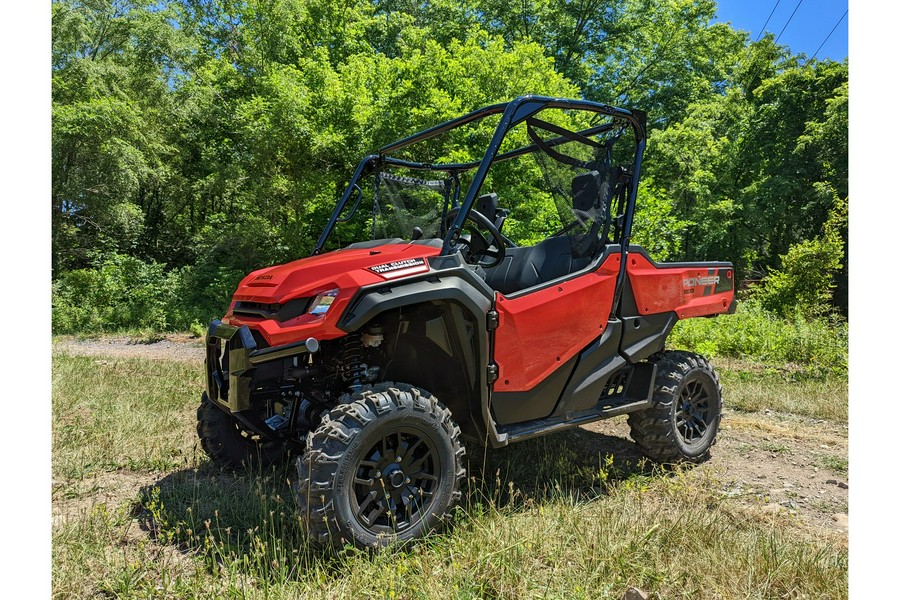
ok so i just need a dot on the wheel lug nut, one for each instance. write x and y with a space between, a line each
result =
399 459
407 480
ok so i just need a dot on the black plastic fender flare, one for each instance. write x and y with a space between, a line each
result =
449 279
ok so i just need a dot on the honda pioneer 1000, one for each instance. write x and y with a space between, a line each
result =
475 281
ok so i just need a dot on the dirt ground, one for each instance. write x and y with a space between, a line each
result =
779 463
179 346
776 463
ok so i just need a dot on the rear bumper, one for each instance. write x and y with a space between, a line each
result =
231 356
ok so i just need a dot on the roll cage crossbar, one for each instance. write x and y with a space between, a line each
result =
513 113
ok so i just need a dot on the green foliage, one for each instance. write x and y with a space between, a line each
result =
666 56
204 140
805 282
121 292
657 228
114 119
757 169
805 346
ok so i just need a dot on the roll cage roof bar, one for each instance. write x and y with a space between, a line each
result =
513 113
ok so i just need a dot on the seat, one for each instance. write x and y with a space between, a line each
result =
487 206
529 266
590 204
558 256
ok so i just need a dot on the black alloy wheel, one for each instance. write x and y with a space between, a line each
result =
693 411
395 481
682 423
384 466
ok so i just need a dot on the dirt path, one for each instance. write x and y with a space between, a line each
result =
175 346
774 462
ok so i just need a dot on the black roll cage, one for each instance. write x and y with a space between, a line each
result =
513 113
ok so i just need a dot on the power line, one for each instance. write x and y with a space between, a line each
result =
761 31
788 21
832 31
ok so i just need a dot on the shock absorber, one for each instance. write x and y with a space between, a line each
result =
352 368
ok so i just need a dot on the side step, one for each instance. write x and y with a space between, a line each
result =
637 395
530 429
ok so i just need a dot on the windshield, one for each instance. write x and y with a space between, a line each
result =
561 172
395 204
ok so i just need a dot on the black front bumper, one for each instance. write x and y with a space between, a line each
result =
231 356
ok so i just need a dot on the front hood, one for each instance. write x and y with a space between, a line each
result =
346 270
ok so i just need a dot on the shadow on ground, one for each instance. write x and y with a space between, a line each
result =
576 461
238 515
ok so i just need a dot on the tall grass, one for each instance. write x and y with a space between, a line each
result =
668 534
216 535
805 347
552 517
761 388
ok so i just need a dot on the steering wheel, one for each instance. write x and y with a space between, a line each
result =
477 246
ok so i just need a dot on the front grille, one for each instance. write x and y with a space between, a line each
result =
280 312
256 307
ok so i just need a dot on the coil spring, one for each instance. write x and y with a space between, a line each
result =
352 369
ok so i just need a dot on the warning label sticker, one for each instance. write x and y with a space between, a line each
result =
399 268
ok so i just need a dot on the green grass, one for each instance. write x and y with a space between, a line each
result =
667 535
112 414
838 464
550 518
801 348
747 387
774 447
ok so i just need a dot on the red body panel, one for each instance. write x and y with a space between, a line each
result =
689 291
346 270
540 331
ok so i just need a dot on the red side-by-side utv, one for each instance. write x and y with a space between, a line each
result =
476 281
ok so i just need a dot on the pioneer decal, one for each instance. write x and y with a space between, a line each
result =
695 281
400 268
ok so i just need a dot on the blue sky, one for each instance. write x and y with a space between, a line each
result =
807 29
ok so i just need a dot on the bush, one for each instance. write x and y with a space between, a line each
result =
806 281
204 292
122 292
811 346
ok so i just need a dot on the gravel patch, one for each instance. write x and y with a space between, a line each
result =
177 346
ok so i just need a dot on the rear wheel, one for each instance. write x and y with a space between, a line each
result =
385 465
230 445
687 408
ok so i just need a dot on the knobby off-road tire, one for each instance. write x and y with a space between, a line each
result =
229 445
385 465
681 425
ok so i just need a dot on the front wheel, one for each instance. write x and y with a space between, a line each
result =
231 446
682 423
385 465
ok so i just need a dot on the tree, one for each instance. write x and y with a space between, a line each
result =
806 280
204 139
757 169
111 118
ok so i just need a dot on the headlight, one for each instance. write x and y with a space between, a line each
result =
321 303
